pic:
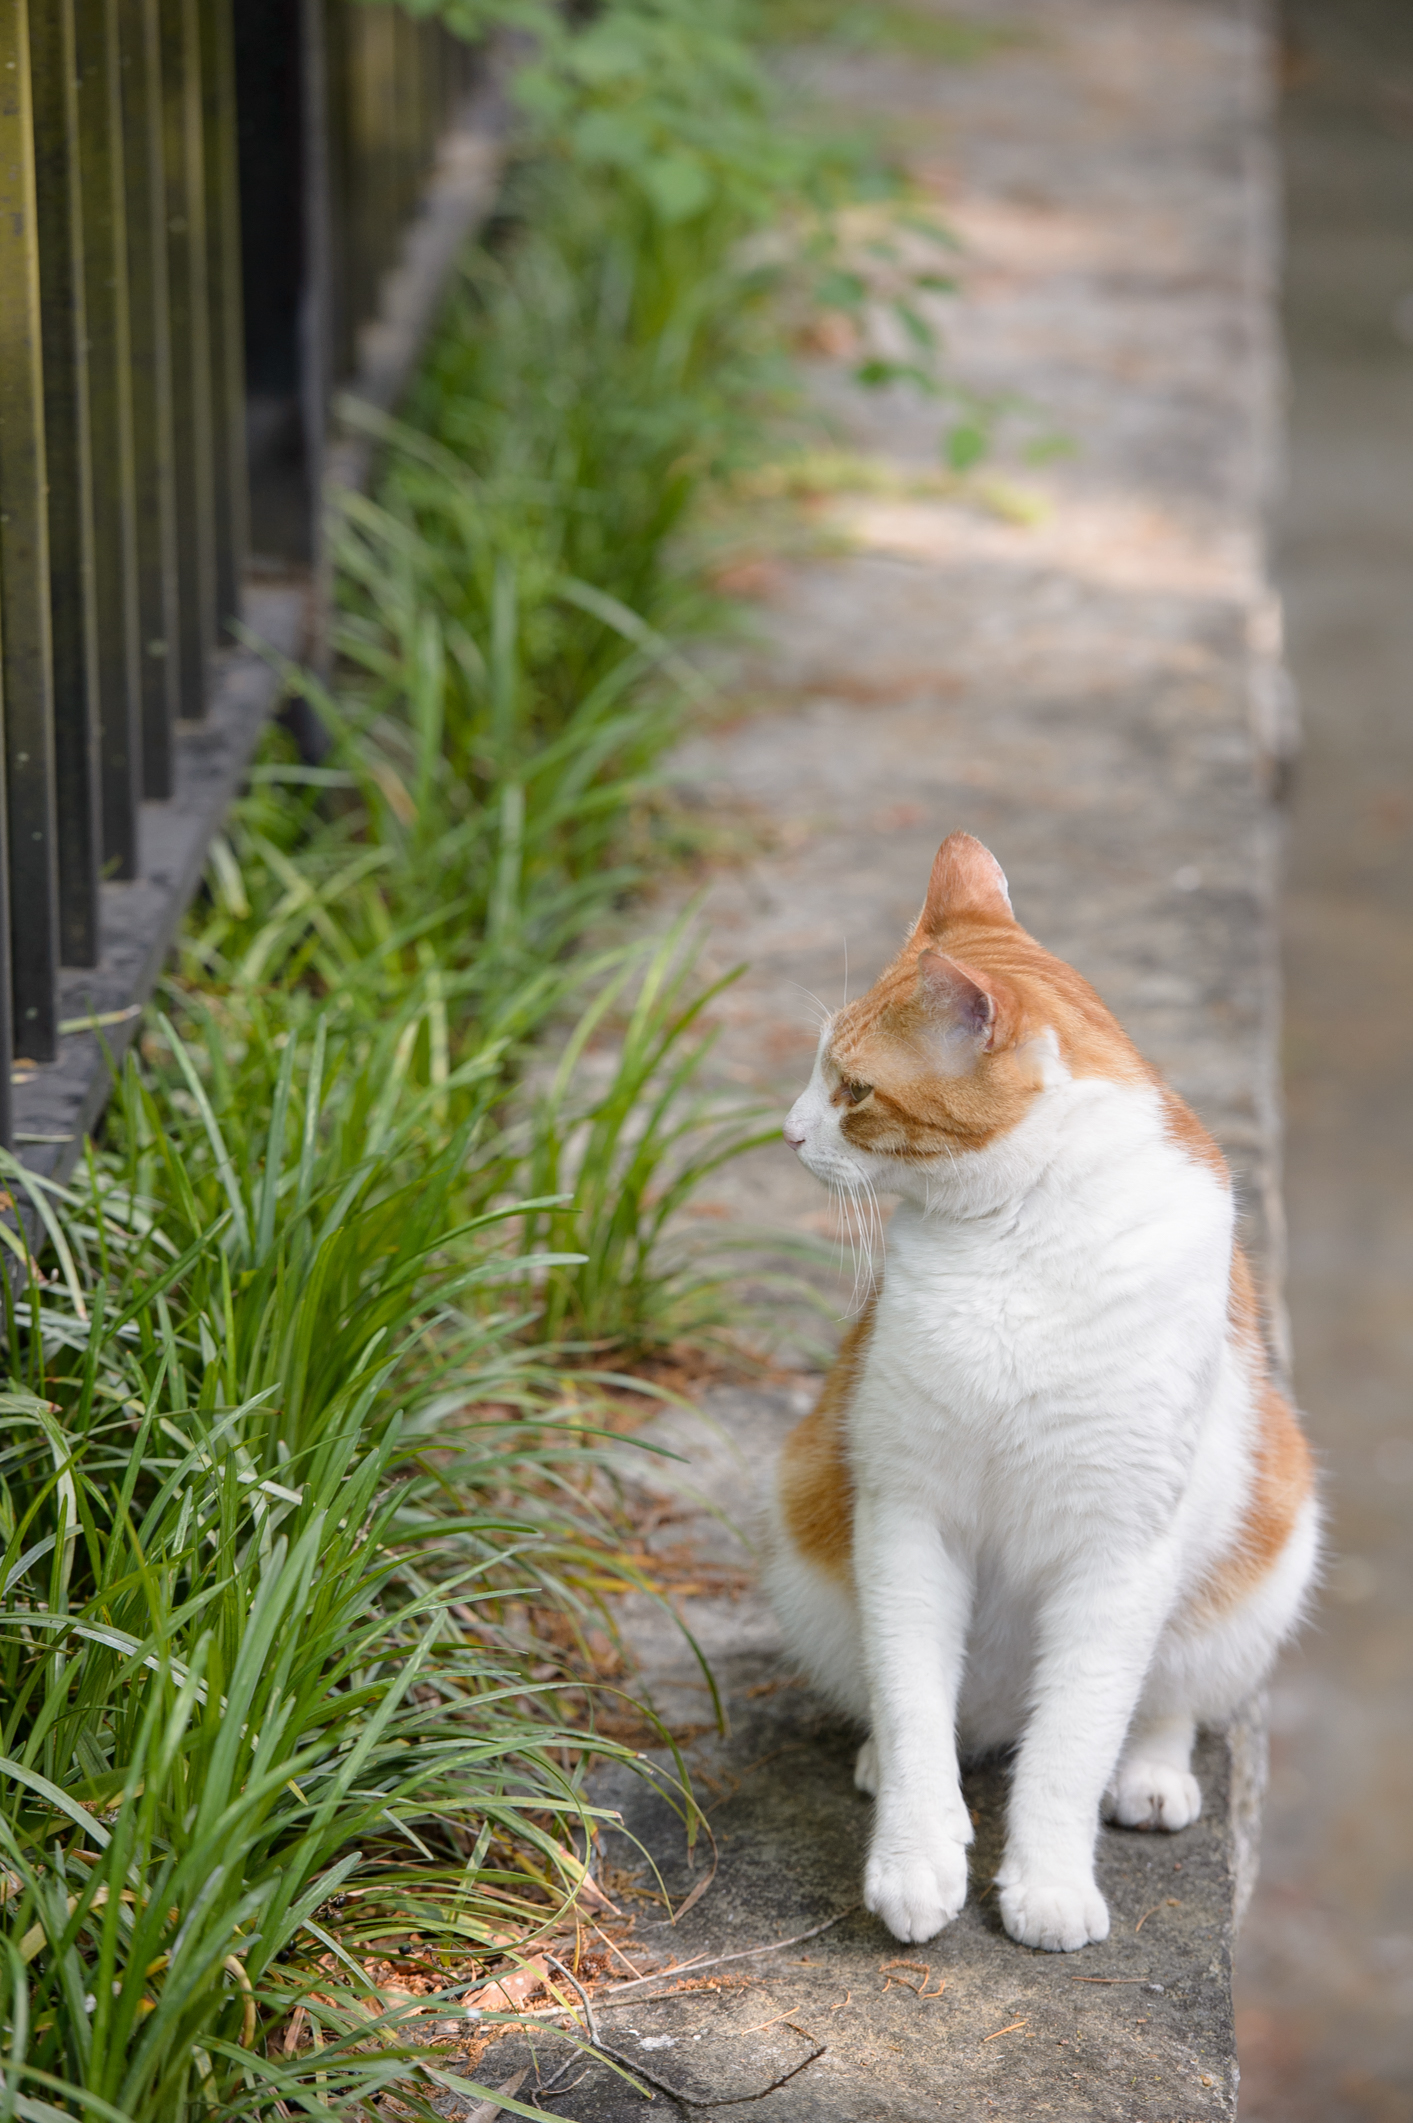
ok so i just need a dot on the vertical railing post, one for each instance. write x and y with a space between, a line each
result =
26 669
360 29
69 465
333 23
105 252
150 325
190 311
407 135
316 326
229 493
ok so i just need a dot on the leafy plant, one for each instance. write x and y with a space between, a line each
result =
260 1713
616 1169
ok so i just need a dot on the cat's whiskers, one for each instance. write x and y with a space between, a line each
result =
876 1240
863 1258
863 1221
843 1191
826 1015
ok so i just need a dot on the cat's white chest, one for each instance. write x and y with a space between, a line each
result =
1043 1367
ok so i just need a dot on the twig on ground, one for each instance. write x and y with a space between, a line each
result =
675 2093
570 1977
590 2024
761 2025
702 1885
1009 2029
747 1953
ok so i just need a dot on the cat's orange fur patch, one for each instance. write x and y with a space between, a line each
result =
816 1483
1282 1479
1187 1131
882 1040
1243 1307
1282 1468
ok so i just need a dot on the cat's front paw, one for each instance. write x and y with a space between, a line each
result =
1153 1795
1057 1913
916 1883
866 1769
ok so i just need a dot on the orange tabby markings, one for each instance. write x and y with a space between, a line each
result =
1243 1310
816 1487
886 1040
1283 1472
1187 1131
1282 1479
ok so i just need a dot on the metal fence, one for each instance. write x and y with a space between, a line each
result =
199 201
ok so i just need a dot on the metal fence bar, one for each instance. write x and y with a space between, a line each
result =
381 202
69 467
150 327
230 519
105 248
321 178
190 312
334 31
409 38
358 31
26 671
123 412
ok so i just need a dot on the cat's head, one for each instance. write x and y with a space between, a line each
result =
954 1042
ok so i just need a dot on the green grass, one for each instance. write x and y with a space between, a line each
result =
615 1170
260 1701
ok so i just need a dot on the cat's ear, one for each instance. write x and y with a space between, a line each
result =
966 879
963 1013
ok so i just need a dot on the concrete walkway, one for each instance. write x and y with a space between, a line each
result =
1095 693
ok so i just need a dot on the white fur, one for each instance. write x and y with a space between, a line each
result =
1051 1439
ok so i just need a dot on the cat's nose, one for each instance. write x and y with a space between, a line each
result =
794 1134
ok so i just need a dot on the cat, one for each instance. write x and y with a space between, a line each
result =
1050 1497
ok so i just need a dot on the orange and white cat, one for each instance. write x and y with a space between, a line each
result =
1050 1496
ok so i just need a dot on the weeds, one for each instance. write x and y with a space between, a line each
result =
634 1156
261 1715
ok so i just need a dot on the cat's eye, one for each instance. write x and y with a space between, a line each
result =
856 1092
